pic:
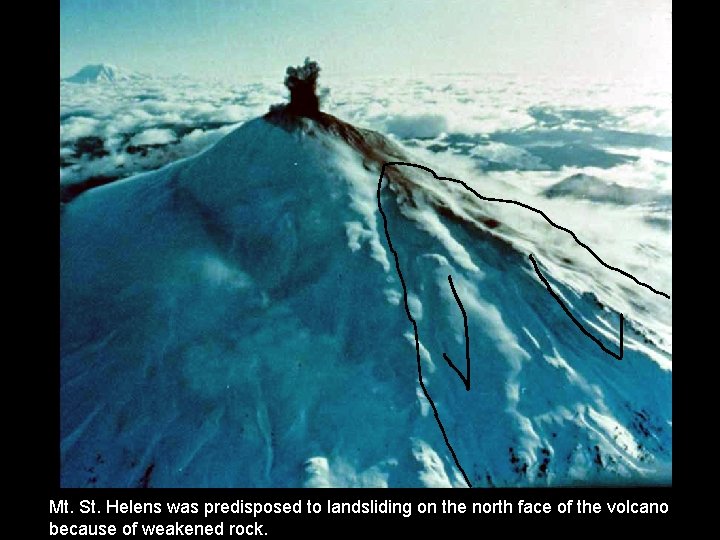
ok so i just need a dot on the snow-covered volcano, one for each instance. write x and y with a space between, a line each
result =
101 73
237 319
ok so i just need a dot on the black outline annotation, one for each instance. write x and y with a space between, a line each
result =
466 378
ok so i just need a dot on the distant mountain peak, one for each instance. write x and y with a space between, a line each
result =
101 73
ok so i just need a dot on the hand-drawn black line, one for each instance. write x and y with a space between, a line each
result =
527 206
577 323
414 323
417 338
465 378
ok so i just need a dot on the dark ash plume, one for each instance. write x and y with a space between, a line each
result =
301 81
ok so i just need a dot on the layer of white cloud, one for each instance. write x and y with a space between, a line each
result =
181 117
153 136
423 126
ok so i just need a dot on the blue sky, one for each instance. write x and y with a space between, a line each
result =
241 39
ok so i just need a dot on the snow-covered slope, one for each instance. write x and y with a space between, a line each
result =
236 319
100 73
